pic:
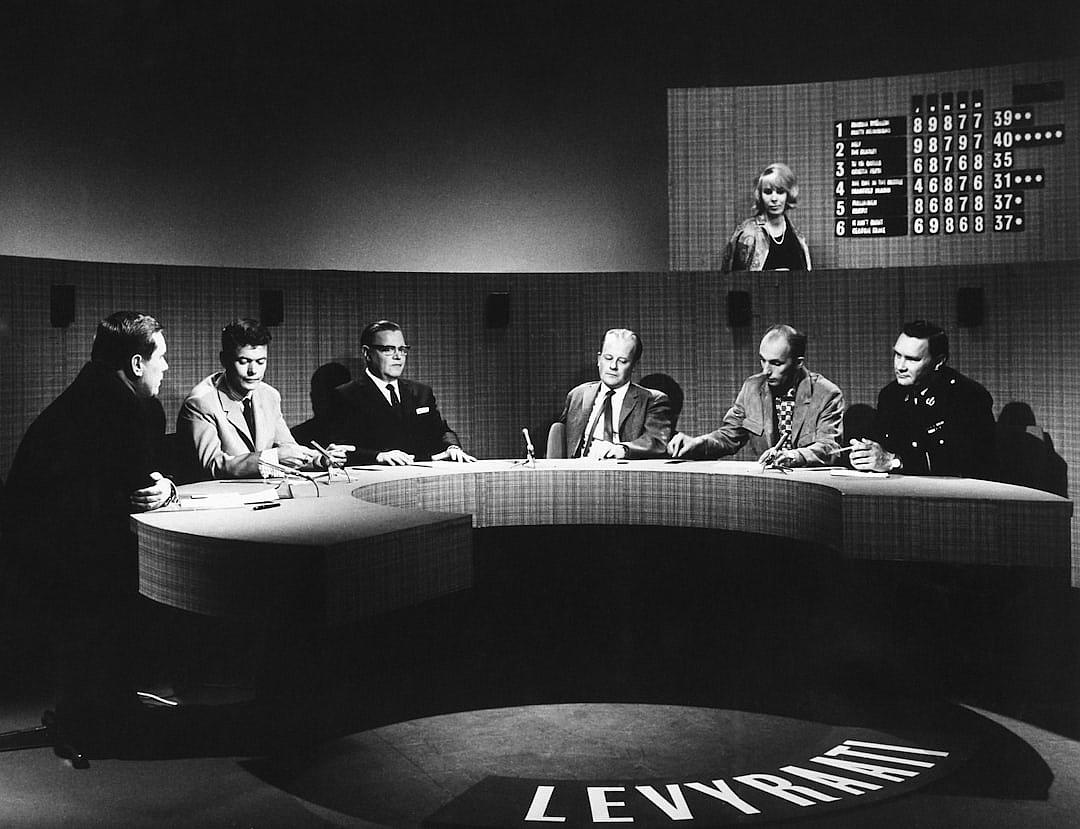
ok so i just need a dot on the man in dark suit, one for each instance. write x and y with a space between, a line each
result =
389 419
931 419
87 462
614 418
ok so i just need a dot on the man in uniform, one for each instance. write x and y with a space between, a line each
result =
930 420
789 415
616 418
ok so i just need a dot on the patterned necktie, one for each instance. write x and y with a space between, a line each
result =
785 406
249 418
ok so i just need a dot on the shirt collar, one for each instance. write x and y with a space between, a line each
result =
619 393
378 381
223 384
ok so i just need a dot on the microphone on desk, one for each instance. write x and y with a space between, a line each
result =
289 472
530 453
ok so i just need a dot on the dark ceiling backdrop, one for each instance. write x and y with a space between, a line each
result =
449 136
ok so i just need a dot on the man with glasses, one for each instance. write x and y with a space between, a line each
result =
615 418
789 415
391 420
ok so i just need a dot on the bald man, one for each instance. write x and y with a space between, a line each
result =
789 415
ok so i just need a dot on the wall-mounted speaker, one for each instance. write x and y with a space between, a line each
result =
740 311
61 305
497 310
271 308
970 307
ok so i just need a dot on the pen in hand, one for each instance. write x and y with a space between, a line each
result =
315 445
329 457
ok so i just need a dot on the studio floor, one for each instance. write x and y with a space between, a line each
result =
648 657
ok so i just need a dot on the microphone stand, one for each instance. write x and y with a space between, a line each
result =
530 454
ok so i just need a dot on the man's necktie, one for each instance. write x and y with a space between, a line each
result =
395 403
605 412
249 418
785 406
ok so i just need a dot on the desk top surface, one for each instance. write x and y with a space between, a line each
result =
326 520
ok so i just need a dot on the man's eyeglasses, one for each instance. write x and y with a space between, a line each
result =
403 350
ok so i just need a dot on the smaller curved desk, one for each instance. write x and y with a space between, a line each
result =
405 534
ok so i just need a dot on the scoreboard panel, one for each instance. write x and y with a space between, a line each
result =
966 167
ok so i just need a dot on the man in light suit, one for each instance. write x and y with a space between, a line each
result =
615 418
386 418
790 416
230 425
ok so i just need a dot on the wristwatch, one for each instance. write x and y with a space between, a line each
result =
895 465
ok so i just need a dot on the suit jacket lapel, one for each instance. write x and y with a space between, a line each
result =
580 418
234 413
767 413
375 394
802 405
629 403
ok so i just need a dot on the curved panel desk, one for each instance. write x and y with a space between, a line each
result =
405 535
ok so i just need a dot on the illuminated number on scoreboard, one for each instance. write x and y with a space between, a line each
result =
839 189
838 152
947 161
1003 160
838 172
841 227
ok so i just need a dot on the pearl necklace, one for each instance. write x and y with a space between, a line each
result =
780 239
